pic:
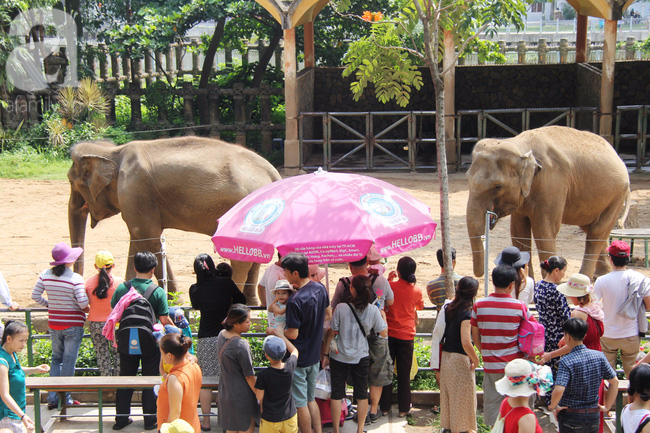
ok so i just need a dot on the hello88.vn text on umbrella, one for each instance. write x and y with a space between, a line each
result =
329 217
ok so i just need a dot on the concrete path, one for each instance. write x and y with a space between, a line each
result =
386 424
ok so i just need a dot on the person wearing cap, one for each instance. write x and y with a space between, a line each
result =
522 379
495 322
99 289
579 375
282 291
66 302
212 295
525 285
436 288
621 333
381 364
273 386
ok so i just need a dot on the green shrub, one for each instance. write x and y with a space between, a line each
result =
42 349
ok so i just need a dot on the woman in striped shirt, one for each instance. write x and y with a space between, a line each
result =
66 302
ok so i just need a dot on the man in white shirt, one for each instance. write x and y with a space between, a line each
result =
620 333
267 283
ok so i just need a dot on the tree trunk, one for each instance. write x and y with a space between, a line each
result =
203 100
443 180
265 58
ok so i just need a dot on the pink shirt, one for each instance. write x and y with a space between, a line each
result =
100 308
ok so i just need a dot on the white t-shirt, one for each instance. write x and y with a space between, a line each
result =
630 419
611 289
271 276
527 293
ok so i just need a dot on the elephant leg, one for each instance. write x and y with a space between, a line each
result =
149 240
520 235
250 291
595 260
545 230
240 272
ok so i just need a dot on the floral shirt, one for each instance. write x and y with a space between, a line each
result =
553 310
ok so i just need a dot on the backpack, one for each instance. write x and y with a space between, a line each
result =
530 337
135 334
346 289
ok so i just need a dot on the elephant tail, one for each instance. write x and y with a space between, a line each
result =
628 200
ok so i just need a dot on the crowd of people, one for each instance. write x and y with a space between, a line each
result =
364 336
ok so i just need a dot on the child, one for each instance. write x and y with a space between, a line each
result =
273 387
177 316
636 415
283 289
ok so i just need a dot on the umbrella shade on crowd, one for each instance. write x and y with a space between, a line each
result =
329 217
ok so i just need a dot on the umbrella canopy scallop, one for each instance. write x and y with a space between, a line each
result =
329 217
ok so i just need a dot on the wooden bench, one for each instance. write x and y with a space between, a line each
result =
92 383
632 234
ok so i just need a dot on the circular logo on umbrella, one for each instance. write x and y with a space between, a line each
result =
383 207
261 215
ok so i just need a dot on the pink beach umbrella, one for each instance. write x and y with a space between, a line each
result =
329 217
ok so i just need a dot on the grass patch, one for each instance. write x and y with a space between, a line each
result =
28 163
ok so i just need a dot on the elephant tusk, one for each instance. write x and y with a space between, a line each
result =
493 221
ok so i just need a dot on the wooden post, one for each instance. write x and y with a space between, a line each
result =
91 61
195 56
148 68
159 63
240 114
607 81
115 69
244 54
188 99
179 59
308 30
291 144
134 94
103 63
581 39
111 91
278 56
126 67
450 97
215 120
228 53
169 66
265 118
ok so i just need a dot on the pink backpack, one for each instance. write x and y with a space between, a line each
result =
530 336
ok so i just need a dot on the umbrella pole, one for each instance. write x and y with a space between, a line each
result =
327 278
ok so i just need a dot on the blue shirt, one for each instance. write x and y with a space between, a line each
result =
306 312
580 372
16 384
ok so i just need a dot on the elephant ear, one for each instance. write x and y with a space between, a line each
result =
97 172
528 168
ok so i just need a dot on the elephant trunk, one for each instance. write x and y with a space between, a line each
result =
475 229
77 217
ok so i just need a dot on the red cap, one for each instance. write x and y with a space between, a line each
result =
619 249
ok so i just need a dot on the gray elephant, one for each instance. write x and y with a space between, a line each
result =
544 178
181 183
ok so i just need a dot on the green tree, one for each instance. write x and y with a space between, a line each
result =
388 57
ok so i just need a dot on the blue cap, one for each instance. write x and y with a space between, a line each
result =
274 347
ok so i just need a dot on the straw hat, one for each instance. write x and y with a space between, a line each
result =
578 285
177 426
523 379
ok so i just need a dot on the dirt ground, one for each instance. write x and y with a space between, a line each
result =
33 217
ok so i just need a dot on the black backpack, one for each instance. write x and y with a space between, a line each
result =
135 334
347 295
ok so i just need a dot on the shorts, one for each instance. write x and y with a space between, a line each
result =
381 368
287 426
304 384
13 425
359 374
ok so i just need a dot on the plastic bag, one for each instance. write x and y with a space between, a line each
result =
323 384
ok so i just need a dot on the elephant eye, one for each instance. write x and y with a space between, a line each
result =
497 187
